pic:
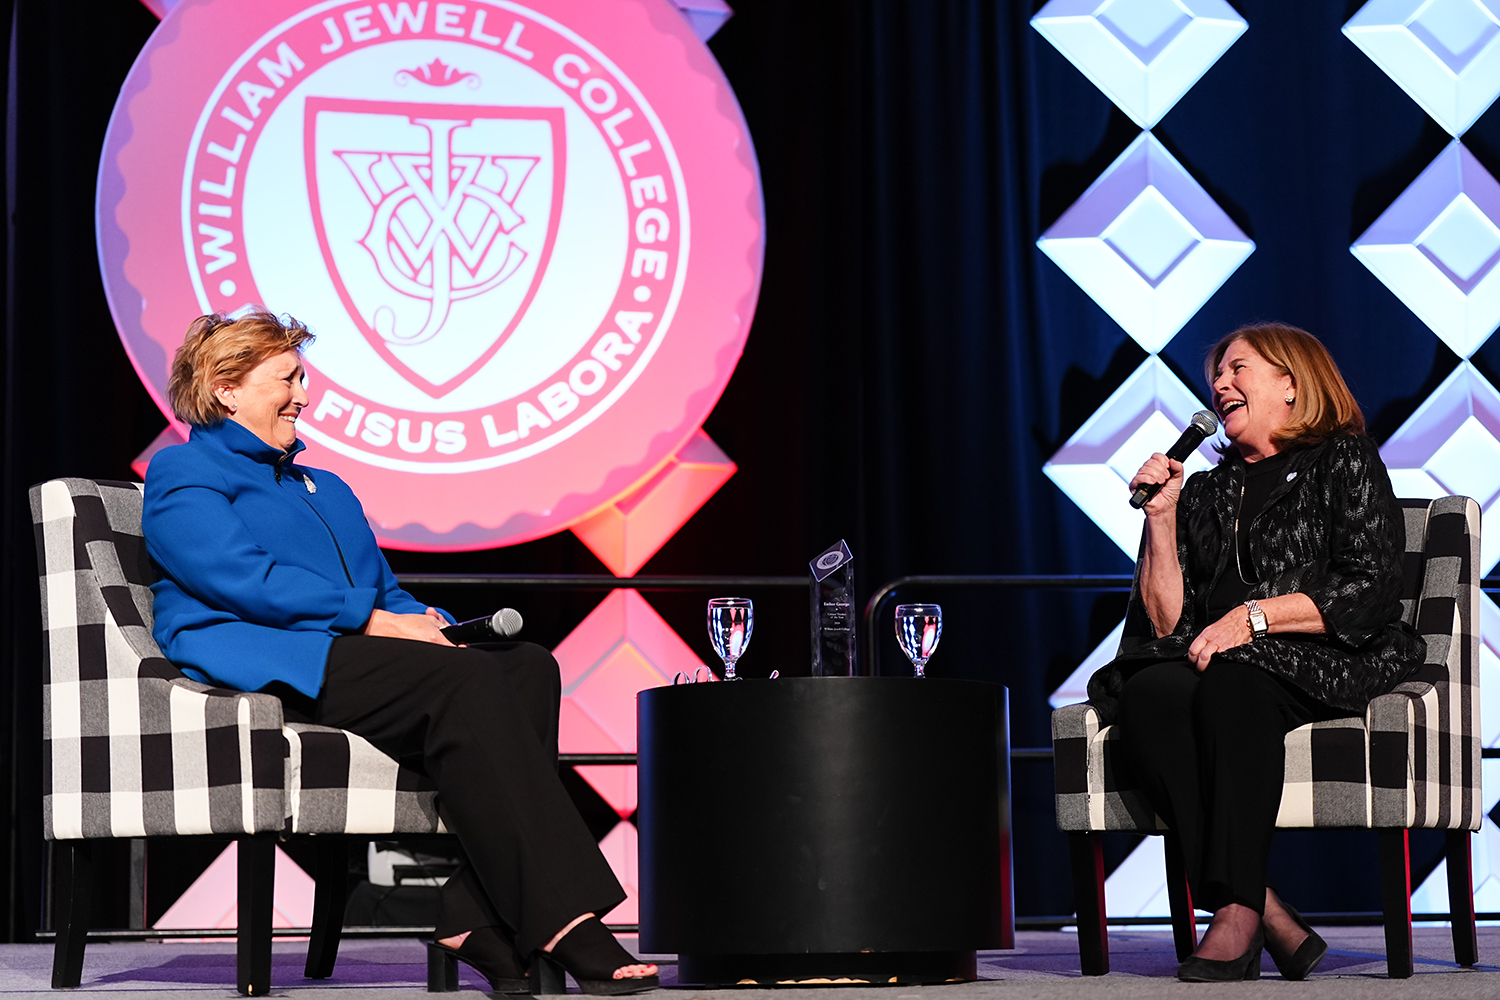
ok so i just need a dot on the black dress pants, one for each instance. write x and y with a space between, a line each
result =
482 723
1209 752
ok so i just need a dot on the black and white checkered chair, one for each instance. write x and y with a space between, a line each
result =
1412 761
132 748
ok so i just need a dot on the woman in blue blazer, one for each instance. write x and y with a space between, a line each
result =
271 580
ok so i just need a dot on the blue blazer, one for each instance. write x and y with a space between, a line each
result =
264 562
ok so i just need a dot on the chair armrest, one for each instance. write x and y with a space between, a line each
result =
1080 721
1073 728
1095 790
1423 773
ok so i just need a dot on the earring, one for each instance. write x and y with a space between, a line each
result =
1290 400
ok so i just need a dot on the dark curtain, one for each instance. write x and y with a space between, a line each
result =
915 359
73 405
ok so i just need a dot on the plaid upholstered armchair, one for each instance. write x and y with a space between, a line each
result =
132 748
1412 761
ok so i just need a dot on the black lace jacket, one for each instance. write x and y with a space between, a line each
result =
1333 531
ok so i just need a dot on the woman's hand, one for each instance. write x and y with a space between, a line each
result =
1167 471
1226 633
426 627
1289 613
1161 573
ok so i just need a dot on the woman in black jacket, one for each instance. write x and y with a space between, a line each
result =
1267 596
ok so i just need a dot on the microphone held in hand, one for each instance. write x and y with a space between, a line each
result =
1203 424
497 627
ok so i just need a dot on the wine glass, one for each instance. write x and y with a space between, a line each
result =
730 622
918 629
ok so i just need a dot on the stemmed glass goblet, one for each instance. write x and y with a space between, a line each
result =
730 622
918 629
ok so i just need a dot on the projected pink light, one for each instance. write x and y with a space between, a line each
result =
622 647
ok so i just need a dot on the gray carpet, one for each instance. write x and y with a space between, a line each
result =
1044 965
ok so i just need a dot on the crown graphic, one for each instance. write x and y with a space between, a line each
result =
437 74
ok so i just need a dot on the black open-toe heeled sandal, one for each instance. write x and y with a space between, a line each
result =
487 953
591 953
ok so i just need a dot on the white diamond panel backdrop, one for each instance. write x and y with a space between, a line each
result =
1143 54
1451 444
1436 248
1150 246
1147 243
1444 53
1095 466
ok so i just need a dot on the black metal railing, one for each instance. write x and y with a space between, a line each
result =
1348 918
595 581
1034 581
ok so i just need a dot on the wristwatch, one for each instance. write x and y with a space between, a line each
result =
1258 626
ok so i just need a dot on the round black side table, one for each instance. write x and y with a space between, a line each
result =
822 828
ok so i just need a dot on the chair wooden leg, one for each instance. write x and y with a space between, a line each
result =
1395 892
1087 850
72 896
1461 898
332 868
257 888
138 883
1180 899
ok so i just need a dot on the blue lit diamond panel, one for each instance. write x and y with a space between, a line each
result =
1489 688
1484 844
1147 243
1144 54
1451 444
1076 688
1444 53
1144 415
1437 245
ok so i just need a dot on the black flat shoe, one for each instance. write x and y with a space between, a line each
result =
487 953
1233 970
591 953
1301 963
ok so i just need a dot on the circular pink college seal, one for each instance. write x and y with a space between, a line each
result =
528 238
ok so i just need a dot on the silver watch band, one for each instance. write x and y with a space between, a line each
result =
1257 618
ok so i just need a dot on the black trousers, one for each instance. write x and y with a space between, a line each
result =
482 723
1209 752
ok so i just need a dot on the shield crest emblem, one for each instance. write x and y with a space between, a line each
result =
436 223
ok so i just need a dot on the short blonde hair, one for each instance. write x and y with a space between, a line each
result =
1324 405
218 350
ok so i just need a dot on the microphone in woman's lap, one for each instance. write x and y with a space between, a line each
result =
501 625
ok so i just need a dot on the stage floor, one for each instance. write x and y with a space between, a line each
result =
1044 965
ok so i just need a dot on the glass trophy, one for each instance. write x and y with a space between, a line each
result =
835 621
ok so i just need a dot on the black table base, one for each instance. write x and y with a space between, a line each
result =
911 968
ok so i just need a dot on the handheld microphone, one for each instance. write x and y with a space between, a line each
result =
501 625
1203 424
